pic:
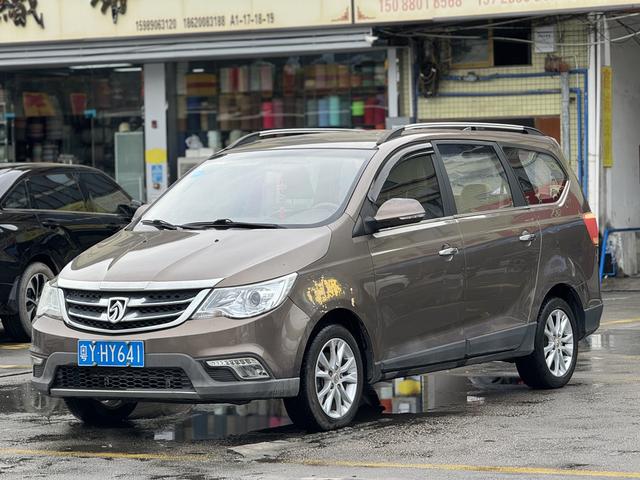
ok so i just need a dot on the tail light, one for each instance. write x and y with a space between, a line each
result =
591 223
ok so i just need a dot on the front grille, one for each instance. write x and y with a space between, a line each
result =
148 310
113 378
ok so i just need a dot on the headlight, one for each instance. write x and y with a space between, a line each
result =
247 300
49 303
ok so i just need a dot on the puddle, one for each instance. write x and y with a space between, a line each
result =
440 392
620 342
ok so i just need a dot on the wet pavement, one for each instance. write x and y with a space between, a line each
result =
473 422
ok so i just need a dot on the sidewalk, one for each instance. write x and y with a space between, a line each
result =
622 284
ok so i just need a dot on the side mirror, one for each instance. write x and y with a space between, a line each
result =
395 212
139 212
130 209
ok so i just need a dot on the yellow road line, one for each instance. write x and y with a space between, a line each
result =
14 366
106 455
476 468
620 322
15 346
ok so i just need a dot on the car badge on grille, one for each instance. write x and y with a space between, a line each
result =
116 309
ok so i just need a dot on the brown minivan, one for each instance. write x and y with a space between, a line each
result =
306 264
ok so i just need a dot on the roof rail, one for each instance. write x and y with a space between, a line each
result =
464 126
282 132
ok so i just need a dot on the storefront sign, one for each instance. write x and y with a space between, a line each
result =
54 20
388 11
607 117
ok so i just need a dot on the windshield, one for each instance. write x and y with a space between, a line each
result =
282 187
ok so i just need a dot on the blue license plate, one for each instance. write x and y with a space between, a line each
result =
106 353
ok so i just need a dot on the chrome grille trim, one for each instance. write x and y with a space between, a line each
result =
84 313
136 286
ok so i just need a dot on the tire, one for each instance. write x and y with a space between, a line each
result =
306 410
100 413
30 287
553 360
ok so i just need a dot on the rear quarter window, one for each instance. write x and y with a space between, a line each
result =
539 174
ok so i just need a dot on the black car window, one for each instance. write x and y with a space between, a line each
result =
414 177
104 195
18 198
478 179
56 191
539 174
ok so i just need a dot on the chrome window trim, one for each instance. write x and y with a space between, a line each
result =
430 223
137 286
195 303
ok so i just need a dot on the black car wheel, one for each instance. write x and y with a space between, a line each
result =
101 413
331 382
30 288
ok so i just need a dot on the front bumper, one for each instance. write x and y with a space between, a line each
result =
204 388
273 338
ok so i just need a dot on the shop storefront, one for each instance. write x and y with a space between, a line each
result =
143 90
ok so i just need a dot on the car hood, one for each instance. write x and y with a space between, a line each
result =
233 256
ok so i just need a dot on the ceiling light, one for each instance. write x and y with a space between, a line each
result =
128 69
100 65
198 70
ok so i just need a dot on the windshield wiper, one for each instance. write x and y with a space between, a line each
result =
160 224
226 223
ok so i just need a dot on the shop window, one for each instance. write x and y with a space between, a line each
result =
512 52
69 115
218 102
492 47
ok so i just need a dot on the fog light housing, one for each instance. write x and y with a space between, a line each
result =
247 368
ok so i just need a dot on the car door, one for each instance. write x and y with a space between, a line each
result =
63 209
19 234
418 268
106 201
501 238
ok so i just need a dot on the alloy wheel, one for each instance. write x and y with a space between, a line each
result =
336 376
559 350
33 293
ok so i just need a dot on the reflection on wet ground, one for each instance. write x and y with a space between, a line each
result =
461 390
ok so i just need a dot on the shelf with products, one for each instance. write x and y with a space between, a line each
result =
327 90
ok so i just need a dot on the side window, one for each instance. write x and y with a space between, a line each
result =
477 177
56 191
539 174
414 177
104 195
18 197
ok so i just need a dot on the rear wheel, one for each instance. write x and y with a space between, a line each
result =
331 381
102 413
553 360
29 291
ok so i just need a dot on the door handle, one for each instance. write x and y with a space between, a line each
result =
527 237
448 251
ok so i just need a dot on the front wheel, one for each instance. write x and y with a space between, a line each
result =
101 413
553 360
331 381
30 287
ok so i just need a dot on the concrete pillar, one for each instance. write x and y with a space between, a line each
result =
155 130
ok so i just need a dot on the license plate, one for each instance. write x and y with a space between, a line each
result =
106 353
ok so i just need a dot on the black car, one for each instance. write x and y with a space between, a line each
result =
49 213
